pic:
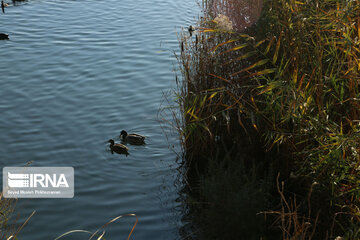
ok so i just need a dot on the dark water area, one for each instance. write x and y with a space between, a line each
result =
73 75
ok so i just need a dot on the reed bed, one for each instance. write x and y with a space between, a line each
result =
284 92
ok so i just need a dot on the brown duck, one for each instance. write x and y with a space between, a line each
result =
132 138
118 148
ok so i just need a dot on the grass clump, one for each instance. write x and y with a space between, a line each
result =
284 93
8 227
99 234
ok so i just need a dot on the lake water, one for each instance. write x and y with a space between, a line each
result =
73 75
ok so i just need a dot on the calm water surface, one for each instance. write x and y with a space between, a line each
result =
73 75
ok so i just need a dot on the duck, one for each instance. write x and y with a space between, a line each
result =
132 138
3 6
191 29
118 148
4 36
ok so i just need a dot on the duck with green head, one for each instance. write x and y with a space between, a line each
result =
118 148
132 138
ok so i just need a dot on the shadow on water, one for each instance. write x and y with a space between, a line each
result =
225 199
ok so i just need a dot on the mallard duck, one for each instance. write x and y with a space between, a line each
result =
4 36
118 148
132 138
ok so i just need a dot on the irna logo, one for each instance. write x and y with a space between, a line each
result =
34 180
38 182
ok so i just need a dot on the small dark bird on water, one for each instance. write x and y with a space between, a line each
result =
118 148
191 29
4 36
3 6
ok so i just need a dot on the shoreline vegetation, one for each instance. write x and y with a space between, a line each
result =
10 229
269 120
7 225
